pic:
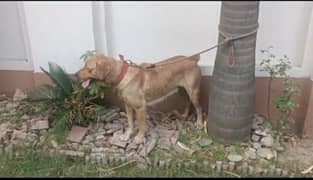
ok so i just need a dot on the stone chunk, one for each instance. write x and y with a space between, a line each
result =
205 142
267 141
115 140
164 143
279 148
110 115
256 145
174 138
112 128
39 124
77 134
251 154
18 135
278 171
234 157
285 173
19 95
231 166
72 153
255 137
261 133
258 119
219 166
148 147
265 153
245 168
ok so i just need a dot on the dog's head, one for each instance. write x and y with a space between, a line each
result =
96 68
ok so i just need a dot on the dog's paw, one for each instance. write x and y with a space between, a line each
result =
139 139
199 125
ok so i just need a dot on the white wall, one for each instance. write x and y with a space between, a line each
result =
60 32
284 25
307 63
14 45
151 31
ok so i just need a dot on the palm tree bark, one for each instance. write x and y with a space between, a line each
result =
232 91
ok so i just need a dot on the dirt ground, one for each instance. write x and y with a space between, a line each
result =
300 153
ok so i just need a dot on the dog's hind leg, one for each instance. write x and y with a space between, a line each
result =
194 98
130 118
182 92
187 110
192 86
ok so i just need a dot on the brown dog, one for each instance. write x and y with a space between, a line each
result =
137 86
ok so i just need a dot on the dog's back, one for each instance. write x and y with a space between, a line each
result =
168 75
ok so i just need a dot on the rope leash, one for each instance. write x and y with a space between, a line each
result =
227 39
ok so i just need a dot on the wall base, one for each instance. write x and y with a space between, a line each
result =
26 80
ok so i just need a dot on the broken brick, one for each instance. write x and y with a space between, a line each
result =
148 147
112 128
164 143
19 95
72 153
174 138
40 124
18 135
77 134
117 141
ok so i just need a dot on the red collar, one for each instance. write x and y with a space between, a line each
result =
121 75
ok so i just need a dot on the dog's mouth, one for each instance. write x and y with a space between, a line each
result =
86 83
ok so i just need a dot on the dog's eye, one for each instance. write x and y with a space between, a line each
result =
93 72
90 71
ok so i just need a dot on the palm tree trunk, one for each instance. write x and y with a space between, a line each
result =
232 91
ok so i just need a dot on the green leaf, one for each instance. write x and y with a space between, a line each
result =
87 55
59 77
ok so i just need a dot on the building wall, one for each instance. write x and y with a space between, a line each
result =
14 43
60 32
151 31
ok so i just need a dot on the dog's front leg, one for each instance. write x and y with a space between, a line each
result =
141 117
130 118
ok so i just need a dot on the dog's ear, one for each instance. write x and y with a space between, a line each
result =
103 68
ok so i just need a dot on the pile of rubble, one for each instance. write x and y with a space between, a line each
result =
105 144
98 141
101 142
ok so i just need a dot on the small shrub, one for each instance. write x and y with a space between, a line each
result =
284 102
67 99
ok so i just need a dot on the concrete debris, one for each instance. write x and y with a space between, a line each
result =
77 133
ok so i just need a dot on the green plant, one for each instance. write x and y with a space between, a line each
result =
284 102
88 54
68 101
